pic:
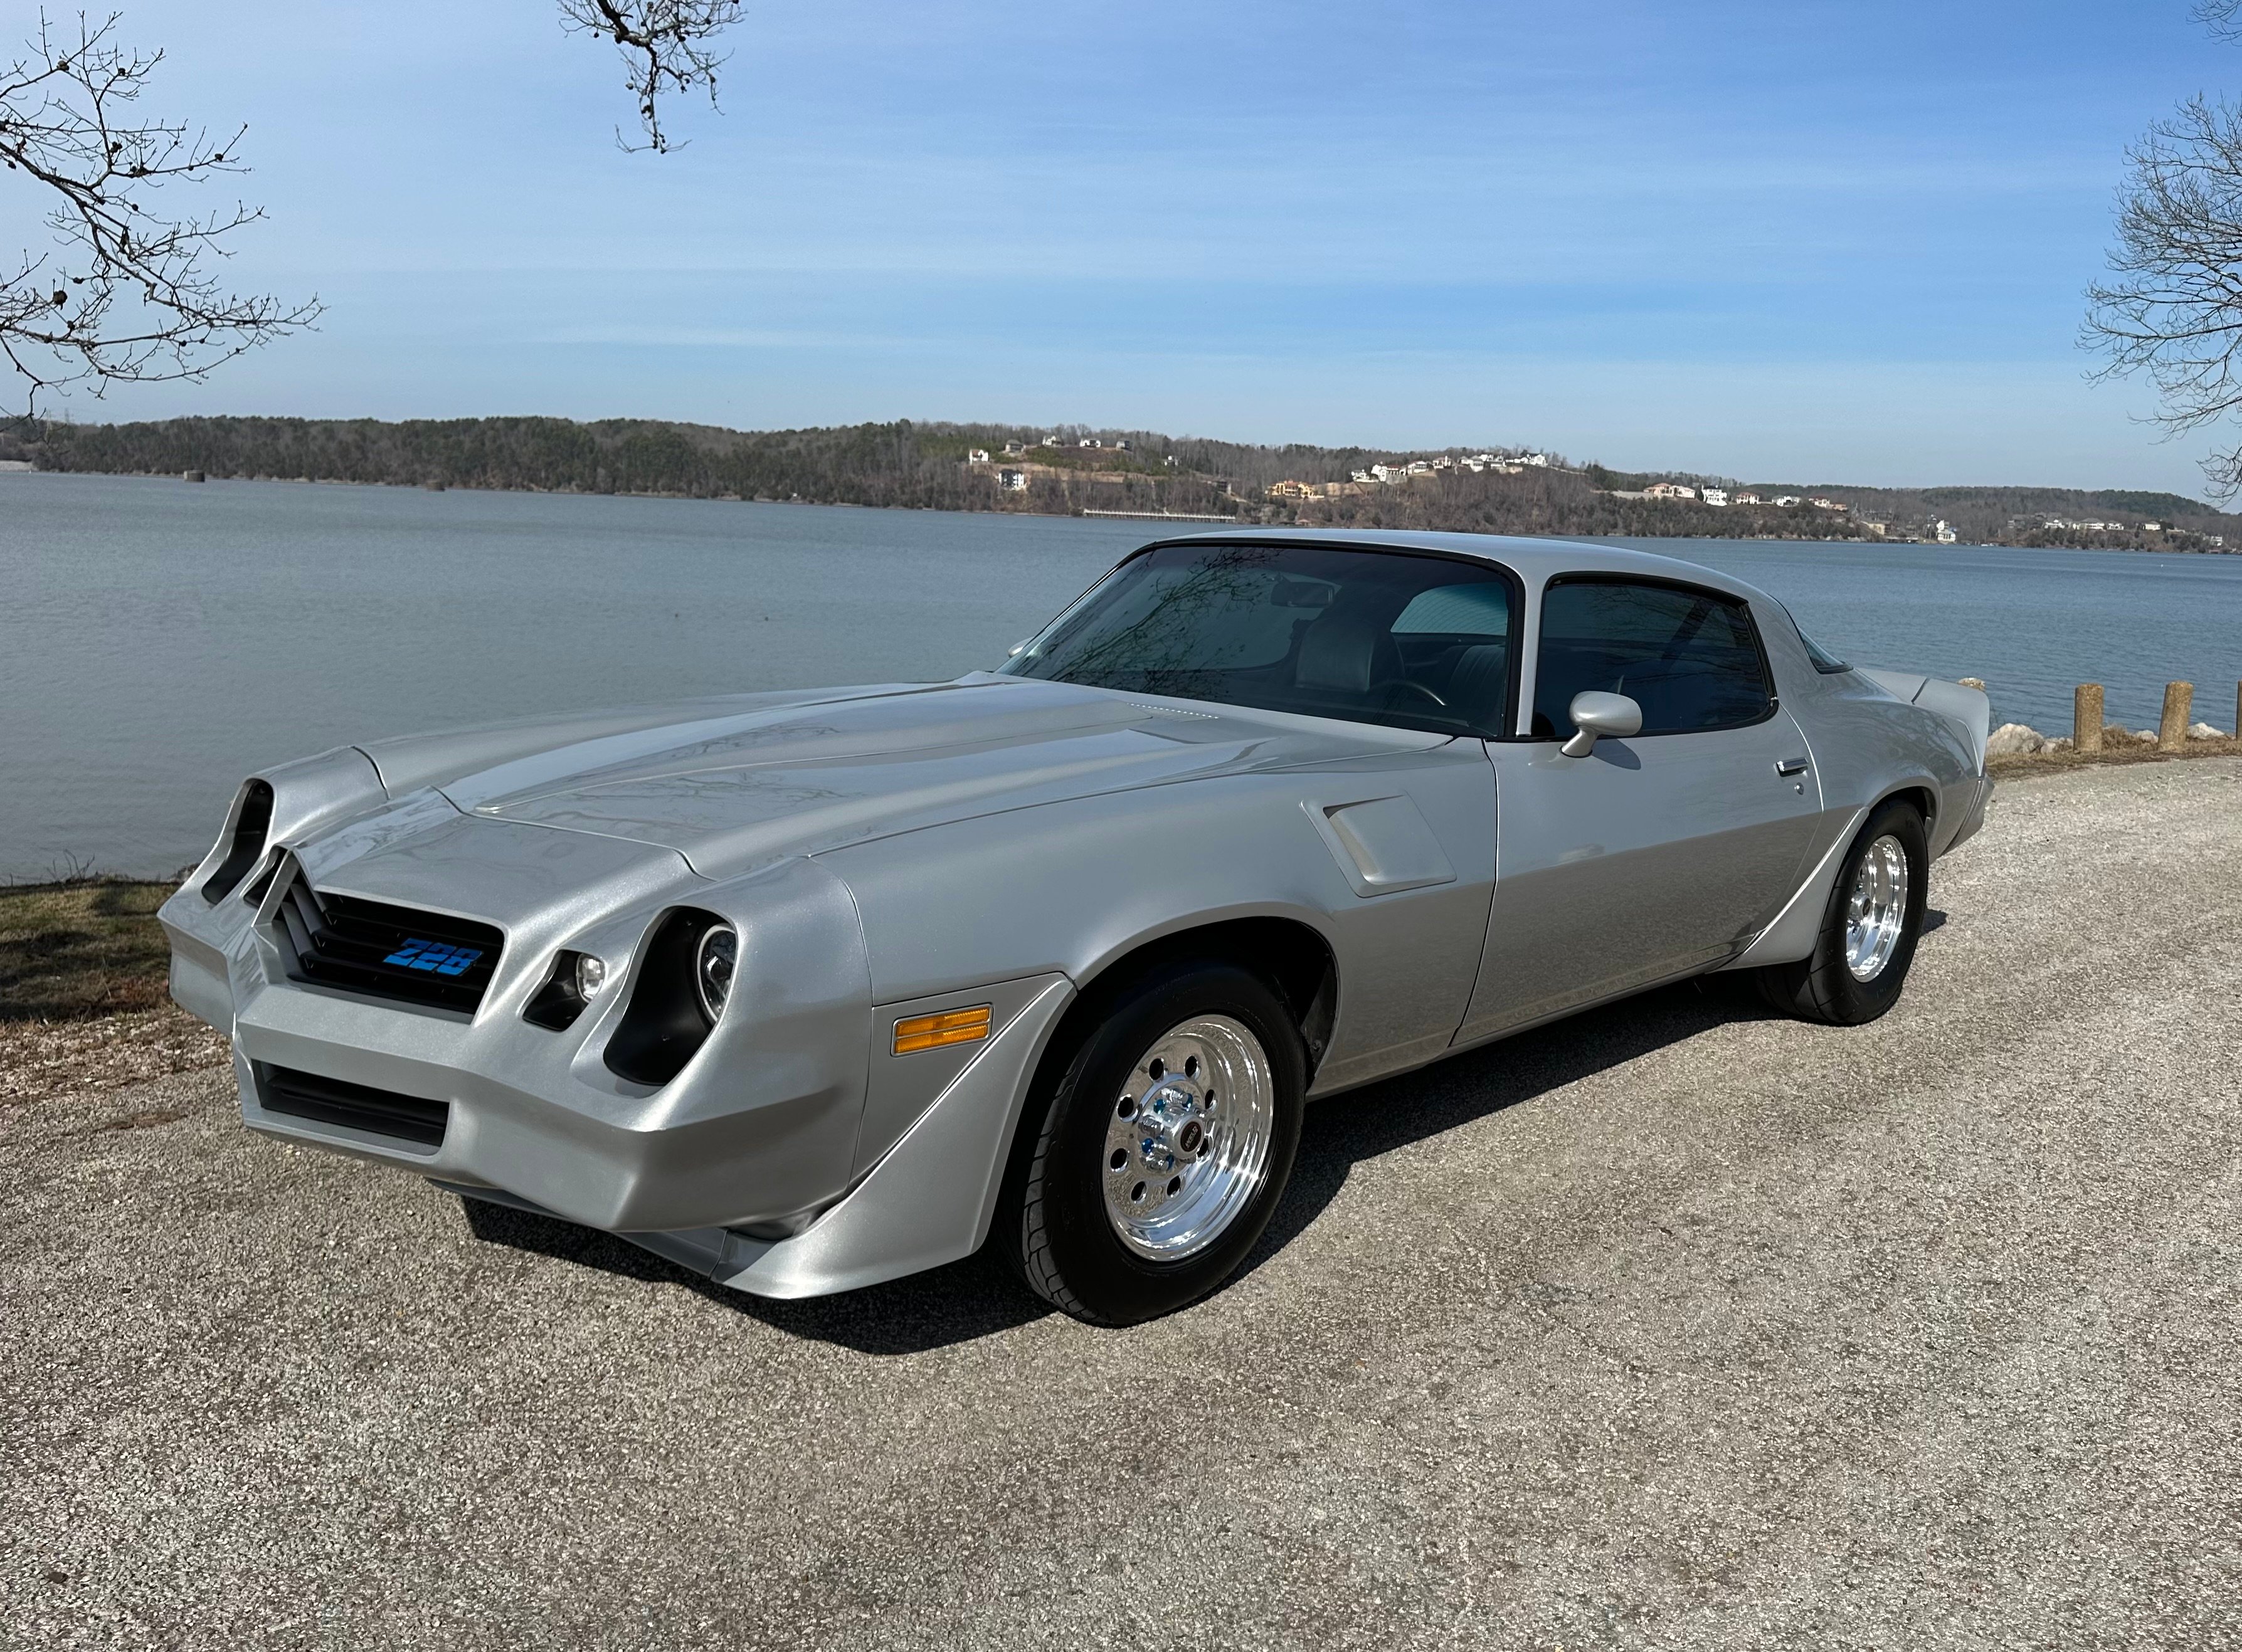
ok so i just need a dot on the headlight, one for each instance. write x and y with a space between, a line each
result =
574 981
713 967
684 974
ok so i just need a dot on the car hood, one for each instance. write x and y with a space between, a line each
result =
733 791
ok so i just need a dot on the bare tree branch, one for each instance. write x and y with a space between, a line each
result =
2172 310
2222 17
128 295
664 44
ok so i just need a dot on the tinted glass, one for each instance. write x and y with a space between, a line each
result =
1825 662
1689 658
1409 641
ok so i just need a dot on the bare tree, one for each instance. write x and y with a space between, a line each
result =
130 293
664 46
2172 307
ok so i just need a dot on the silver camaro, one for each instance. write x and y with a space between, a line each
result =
809 990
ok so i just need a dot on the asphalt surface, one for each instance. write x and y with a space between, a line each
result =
1673 1326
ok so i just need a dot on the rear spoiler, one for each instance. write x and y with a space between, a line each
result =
1967 708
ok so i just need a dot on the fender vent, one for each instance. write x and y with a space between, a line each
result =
357 946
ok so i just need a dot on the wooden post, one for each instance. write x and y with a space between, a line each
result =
2172 735
2086 717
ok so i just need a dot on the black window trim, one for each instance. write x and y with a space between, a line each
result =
1837 668
1511 580
1613 577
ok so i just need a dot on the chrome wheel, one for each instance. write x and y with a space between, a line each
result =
1876 911
1188 1143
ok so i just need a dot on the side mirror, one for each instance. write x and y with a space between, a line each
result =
1019 648
1594 713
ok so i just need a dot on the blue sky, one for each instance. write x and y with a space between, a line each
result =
1771 238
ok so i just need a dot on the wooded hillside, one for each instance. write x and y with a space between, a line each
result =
926 466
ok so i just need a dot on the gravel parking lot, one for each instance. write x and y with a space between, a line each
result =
1671 1326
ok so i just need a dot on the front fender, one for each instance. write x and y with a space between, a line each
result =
1070 888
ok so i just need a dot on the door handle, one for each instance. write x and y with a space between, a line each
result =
1790 766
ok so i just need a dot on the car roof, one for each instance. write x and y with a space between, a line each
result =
1534 560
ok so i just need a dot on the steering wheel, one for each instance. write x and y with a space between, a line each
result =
1392 683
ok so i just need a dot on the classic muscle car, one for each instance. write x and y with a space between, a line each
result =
809 990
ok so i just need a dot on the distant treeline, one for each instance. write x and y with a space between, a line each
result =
925 466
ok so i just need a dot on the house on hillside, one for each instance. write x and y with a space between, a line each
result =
1013 449
1786 499
1715 496
1290 490
977 456
1009 481
1827 504
1748 498
1540 461
1669 491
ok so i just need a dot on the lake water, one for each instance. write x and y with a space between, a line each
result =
158 640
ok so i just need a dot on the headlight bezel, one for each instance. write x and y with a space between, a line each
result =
666 1021
249 826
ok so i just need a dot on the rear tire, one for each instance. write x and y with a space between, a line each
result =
1869 929
1145 1182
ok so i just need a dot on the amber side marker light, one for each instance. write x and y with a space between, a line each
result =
917 1032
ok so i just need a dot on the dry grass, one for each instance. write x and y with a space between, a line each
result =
86 947
2023 765
83 1002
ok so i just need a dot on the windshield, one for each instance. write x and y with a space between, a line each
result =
1374 637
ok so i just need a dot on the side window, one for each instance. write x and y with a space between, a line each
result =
1690 659
1454 640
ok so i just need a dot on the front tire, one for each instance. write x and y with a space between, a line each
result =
1869 930
1164 1148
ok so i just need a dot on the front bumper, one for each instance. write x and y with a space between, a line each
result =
766 1128
761 1125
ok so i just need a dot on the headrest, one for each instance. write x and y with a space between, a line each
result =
1480 679
1339 652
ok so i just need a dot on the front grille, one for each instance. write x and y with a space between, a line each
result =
385 951
382 1112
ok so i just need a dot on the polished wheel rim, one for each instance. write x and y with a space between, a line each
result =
1189 1141
1875 913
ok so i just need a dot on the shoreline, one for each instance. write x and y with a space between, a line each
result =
1085 514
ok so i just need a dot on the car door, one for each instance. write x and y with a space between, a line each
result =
1656 854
